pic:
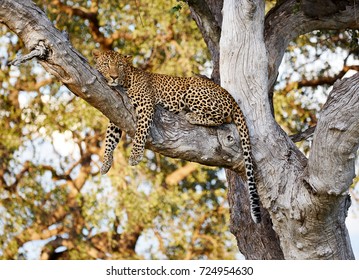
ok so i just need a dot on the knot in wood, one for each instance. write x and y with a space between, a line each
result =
230 138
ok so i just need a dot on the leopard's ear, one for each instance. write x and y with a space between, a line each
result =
96 53
128 58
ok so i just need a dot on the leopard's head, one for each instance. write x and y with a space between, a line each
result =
112 66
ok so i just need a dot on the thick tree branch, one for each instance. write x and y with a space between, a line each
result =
336 140
328 175
244 75
286 21
171 134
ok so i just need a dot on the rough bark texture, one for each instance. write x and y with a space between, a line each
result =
305 199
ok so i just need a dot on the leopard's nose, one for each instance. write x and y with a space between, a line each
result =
114 77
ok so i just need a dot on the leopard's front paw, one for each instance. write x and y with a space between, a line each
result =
106 164
135 159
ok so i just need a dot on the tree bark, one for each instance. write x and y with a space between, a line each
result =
305 199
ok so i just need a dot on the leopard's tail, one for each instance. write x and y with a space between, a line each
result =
239 120
113 136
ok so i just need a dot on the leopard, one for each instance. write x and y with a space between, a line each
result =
203 101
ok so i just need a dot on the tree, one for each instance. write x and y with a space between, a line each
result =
305 199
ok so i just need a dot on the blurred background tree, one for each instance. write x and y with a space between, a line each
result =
55 205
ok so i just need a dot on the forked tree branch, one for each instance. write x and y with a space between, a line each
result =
283 23
306 224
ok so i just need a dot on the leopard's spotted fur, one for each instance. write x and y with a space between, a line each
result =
205 102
